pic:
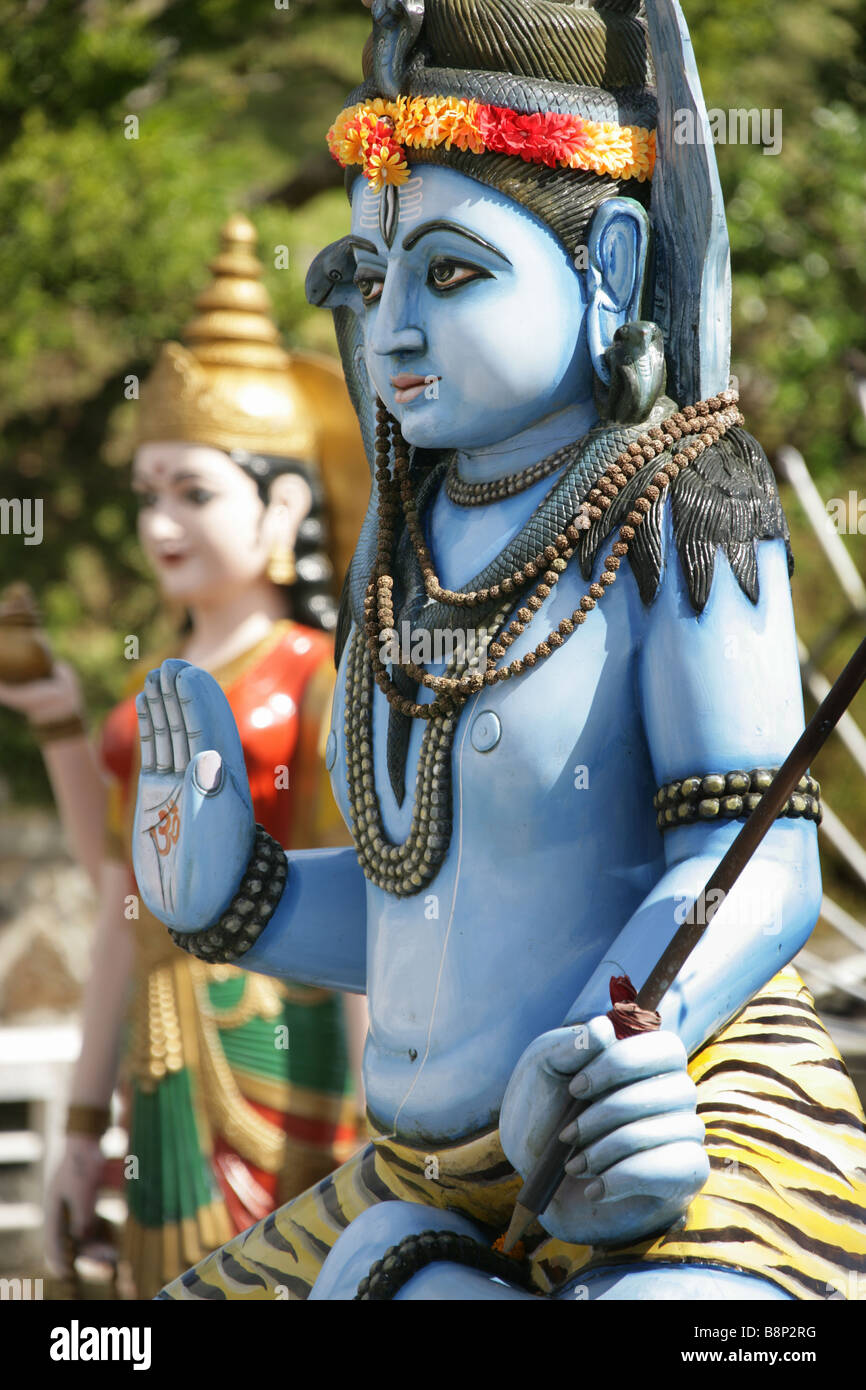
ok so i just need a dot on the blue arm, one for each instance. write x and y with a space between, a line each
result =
719 691
318 933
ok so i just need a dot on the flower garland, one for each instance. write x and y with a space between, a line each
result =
377 134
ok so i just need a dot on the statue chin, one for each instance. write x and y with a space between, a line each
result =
435 427
424 424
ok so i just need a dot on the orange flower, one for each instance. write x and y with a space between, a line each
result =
465 133
378 107
337 133
412 126
350 135
361 136
644 153
386 164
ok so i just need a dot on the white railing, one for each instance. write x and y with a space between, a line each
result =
36 1064
846 973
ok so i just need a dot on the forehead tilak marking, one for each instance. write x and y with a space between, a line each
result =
411 200
369 214
393 206
389 214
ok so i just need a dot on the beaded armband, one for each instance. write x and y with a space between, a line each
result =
397 1266
730 796
249 911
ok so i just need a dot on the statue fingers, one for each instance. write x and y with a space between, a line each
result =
656 1095
145 734
675 1172
168 673
159 720
629 1059
650 1133
569 1049
210 723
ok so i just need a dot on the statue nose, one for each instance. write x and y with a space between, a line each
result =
399 340
394 331
392 334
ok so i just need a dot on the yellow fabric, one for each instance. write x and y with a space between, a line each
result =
786 1195
116 839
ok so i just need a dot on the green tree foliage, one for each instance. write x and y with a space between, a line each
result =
128 132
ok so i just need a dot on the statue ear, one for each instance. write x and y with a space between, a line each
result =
290 498
617 245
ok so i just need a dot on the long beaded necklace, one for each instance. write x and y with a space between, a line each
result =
705 423
404 869
466 494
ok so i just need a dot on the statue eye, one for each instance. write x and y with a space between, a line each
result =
370 288
446 274
198 496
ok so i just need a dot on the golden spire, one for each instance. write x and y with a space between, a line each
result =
234 327
230 384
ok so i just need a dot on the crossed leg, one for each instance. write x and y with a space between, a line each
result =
371 1235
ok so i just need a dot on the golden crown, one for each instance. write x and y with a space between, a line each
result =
231 383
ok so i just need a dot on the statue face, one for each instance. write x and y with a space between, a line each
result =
473 315
200 521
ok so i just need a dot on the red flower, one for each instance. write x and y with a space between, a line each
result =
542 137
565 134
502 130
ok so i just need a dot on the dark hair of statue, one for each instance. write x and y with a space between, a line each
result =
310 600
536 55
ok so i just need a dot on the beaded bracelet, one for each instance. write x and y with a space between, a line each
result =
398 1265
249 911
92 1120
730 795
56 729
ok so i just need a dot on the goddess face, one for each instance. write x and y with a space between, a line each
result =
474 315
202 522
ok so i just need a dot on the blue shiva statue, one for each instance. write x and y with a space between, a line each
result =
567 671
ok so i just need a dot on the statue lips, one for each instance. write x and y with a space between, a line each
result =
408 386
172 557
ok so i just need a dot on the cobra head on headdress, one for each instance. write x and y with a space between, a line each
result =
559 105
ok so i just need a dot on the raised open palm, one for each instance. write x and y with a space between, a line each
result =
194 822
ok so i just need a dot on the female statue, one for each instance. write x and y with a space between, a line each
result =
564 500
245 470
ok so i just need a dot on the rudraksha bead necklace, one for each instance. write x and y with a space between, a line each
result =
705 423
481 494
404 869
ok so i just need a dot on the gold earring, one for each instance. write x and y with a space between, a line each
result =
281 565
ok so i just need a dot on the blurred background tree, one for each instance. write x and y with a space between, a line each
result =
107 230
